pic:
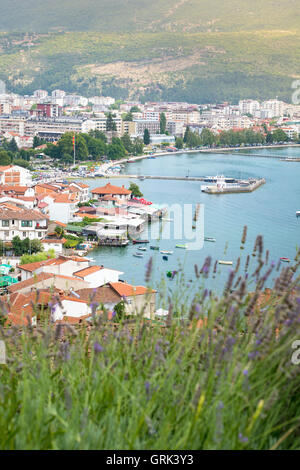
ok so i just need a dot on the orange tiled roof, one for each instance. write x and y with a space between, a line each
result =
29 282
127 290
87 271
110 189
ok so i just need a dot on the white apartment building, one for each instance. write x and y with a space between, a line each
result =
24 223
14 175
62 207
249 106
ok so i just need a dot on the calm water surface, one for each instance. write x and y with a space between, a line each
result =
269 211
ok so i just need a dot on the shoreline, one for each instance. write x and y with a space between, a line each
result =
182 152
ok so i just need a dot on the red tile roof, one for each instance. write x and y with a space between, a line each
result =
87 271
29 282
110 189
127 290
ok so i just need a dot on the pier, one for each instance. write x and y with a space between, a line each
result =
234 188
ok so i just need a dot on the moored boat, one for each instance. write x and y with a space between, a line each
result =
142 248
209 239
298 213
286 260
166 252
184 246
165 258
154 247
138 255
229 263
136 241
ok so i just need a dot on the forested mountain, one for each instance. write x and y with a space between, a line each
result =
195 50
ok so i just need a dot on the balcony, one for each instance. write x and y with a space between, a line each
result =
41 226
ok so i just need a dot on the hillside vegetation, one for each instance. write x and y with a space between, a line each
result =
142 15
191 50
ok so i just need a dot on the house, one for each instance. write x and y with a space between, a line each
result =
96 276
59 307
137 299
25 223
47 281
62 207
56 244
63 265
15 175
82 191
110 190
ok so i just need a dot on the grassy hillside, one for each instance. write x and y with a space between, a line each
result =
195 50
197 67
142 15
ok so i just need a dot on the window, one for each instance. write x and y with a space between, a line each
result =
24 234
26 223
39 234
5 223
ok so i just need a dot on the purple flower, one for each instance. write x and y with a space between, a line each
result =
220 405
245 372
114 313
243 438
98 348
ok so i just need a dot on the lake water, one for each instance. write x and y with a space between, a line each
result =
269 211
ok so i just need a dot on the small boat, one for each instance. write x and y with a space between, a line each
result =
154 247
142 248
165 258
229 263
182 246
138 255
135 241
209 239
298 213
166 252
286 260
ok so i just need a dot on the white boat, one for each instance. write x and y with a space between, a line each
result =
229 263
209 239
166 252
298 213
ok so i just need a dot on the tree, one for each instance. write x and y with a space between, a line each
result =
138 146
162 123
135 190
116 149
65 147
279 136
4 158
146 137
208 138
179 142
12 146
59 230
135 109
128 117
36 246
126 140
110 123
17 246
98 135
